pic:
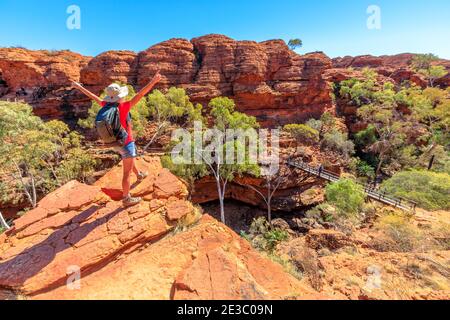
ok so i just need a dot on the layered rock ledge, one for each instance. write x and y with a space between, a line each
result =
143 252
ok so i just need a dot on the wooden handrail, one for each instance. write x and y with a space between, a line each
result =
369 189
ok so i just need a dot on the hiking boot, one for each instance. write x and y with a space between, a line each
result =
142 175
130 201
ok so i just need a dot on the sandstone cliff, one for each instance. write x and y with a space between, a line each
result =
266 79
41 78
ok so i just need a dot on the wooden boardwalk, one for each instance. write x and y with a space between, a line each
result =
370 190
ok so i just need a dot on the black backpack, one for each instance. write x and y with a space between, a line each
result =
108 125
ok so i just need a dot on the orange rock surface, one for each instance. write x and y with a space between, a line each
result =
352 267
208 261
41 78
80 225
133 253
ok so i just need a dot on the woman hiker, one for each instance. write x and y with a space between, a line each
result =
115 95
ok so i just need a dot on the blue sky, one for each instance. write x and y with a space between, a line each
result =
337 27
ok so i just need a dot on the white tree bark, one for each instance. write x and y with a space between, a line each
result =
3 222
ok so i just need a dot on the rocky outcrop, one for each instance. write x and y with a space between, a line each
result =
347 266
133 253
208 261
266 79
42 79
395 68
109 67
395 61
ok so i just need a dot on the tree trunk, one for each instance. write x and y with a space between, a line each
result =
269 202
33 188
153 139
222 210
221 201
24 186
430 165
3 222
380 164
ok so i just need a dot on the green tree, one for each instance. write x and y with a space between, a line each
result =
302 133
171 107
189 172
366 137
406 125
215 159
423 63
359 92
225 118
430 108
346 195
338 141
295 44
378 108
325 124
34 154
433 73
430 190
363 169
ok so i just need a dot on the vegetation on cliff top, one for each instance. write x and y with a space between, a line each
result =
223 117
431 190
406 127
423 64
37 156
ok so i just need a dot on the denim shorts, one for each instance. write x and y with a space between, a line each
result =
128 151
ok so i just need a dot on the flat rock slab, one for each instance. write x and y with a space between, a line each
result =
80 226
209 261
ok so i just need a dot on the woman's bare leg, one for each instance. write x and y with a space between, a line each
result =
128 167
135 169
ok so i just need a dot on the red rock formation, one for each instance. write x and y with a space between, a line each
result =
395 67
395 61
119 251
266 79
40 78
109 67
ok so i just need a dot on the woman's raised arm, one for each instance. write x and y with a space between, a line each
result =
145 90
87 92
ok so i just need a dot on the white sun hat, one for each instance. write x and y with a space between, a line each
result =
115 92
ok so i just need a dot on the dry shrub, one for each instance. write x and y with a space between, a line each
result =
308 263
304 259
441 233
189 220
287 264
398 234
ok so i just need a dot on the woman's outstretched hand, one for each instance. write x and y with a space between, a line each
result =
86 92
76 84
157 78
